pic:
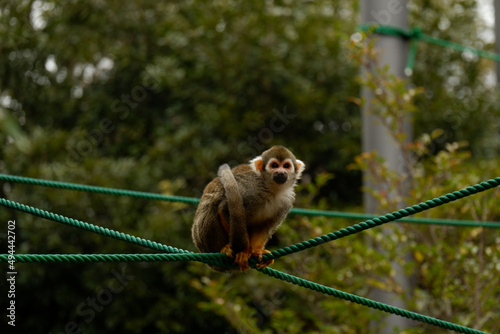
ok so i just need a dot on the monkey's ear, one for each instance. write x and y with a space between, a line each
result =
300 167
257 164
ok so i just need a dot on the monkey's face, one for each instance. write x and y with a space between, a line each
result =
278 166
280 170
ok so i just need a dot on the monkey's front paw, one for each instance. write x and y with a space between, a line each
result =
242 258
227 250
258 253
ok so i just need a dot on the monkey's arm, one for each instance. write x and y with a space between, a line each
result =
260 236
280 217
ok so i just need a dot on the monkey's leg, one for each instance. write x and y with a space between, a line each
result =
259 253
258 242
242 258
225 225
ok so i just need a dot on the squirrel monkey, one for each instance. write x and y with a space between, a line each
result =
242 207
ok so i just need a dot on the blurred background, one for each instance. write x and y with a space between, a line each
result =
155 95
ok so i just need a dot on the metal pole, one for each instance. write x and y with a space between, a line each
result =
394 52
496 4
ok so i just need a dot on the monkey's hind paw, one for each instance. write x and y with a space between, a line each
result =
258 253
242 258
227 250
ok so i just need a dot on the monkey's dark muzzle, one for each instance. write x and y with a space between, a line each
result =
280 178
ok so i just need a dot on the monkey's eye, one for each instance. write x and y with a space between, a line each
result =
287 165
275 165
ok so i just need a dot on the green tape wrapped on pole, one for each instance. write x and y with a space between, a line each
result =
416 35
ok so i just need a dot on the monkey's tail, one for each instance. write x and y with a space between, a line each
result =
237 224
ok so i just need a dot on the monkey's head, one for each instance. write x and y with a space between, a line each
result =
279 165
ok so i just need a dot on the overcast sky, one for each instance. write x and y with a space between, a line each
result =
487 12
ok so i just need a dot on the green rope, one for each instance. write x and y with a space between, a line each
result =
75 258
101 230
383 219
276 253
59 258
89 227
370 223
416 35
95 189
190 200
365 216
367 302
221 259
182 255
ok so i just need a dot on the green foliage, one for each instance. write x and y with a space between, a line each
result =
431 167
460 97
153 96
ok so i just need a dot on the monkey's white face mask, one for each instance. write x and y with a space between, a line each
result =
280 171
